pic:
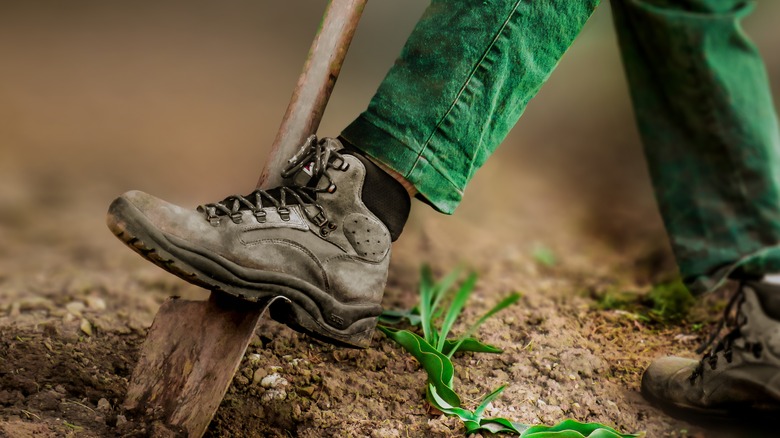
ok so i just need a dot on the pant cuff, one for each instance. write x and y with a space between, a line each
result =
759 263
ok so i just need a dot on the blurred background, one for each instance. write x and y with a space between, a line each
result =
183 98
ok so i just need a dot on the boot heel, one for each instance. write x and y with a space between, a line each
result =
357 335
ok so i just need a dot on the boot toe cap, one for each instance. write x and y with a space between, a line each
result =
666 378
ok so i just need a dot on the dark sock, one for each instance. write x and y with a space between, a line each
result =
382 194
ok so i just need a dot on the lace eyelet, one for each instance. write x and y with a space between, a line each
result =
342 165
214 221
284 213
236 218
320 219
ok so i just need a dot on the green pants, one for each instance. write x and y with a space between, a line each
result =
700 94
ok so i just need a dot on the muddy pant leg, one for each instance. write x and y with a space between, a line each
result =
462 81
709 128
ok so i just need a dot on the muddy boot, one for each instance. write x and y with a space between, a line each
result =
322 241
740 375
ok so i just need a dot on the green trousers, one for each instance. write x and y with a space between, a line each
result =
700 93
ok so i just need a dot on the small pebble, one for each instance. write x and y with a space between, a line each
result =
120 420
273 381
241 380
96 303
274 394
258 376
103 405
254 359
75 308
86 327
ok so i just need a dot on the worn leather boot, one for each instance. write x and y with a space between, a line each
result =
740 375
313 241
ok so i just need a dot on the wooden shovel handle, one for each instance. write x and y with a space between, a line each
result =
315 85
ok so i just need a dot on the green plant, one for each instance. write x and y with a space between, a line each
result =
666 303
544 256
671 301
434 351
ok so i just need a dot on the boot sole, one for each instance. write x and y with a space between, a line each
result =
309 310
756 418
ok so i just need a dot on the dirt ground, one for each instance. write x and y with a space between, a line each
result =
75 304
74 313
75 309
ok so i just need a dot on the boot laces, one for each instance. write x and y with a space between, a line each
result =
733 319
315 158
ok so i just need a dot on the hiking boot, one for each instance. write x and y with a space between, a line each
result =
740 374
313 241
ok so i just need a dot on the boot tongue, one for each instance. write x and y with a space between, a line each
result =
305 176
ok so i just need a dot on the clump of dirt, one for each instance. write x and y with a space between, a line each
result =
59 376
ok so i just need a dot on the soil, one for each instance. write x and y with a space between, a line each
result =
76 305
102 98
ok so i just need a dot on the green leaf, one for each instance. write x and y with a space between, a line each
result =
438 366
574 429
544 256
469 344
506 302
426 301
433 397
456 307
442 287
397 316
494 425
486 401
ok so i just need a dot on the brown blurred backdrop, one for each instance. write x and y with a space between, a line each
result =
183 98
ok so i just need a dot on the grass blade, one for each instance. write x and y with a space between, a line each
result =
486 401
456 307
469 344
442 287
503 304
426 301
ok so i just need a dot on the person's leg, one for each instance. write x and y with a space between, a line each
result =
462 81
709 128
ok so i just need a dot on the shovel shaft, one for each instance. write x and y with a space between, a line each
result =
315 85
